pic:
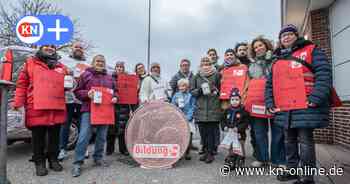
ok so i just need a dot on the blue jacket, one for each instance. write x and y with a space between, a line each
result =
189 104
312 117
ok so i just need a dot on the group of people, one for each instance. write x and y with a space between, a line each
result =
254 87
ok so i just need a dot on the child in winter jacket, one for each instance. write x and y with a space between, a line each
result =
236 119
184 100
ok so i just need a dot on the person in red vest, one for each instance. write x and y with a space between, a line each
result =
298 92
259 118
40 90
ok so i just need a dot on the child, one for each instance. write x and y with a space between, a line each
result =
236 118
184 100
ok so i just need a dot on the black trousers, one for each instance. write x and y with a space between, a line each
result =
45 138
208 132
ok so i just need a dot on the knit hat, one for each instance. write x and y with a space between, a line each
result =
235 92
288 28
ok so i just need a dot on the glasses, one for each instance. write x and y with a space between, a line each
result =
99 61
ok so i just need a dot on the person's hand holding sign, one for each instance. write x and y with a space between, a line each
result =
91 94
114 100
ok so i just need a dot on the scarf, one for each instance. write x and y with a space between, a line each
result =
49 60
228 63
206 71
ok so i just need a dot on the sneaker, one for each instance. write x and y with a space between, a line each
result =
257 164
55 166
101 163
62 155
76 171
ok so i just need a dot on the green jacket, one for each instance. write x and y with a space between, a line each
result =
208 107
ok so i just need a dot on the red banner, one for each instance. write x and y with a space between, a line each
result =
103 113
288 86
127 89
233 77
48 89
255 102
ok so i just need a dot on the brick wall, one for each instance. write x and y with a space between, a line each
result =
339 130
321 36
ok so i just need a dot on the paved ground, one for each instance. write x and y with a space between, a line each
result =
124 171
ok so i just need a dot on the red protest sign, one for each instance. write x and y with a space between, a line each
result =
127 89
233 77
288 85
255 101
103 113
48 89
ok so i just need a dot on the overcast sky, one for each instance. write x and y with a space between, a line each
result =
180 28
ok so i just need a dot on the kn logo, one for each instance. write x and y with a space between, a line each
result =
45 29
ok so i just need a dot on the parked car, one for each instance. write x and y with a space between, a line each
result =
12 60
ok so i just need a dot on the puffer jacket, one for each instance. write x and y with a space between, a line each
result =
312 117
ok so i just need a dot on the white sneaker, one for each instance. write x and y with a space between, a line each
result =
62 155
87 154
257 164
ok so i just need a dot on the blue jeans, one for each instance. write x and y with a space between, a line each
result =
73 111
84 138
260 128
300 149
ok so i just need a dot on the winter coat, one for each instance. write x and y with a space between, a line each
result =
189 104
208 107
92 78
153 88
24 95
312 117
236 117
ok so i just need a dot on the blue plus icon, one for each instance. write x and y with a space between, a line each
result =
58 29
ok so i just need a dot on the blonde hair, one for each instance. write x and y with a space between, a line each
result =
183 81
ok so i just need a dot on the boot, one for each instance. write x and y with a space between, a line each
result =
40 168
55 166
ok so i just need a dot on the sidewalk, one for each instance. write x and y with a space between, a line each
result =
330 155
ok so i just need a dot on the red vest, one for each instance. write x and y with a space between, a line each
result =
233 77
292 81
255 101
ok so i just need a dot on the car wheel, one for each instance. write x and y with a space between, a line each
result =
73 136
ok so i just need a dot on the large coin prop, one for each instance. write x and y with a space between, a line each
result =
157 135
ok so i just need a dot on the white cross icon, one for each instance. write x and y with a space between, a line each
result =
58 30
